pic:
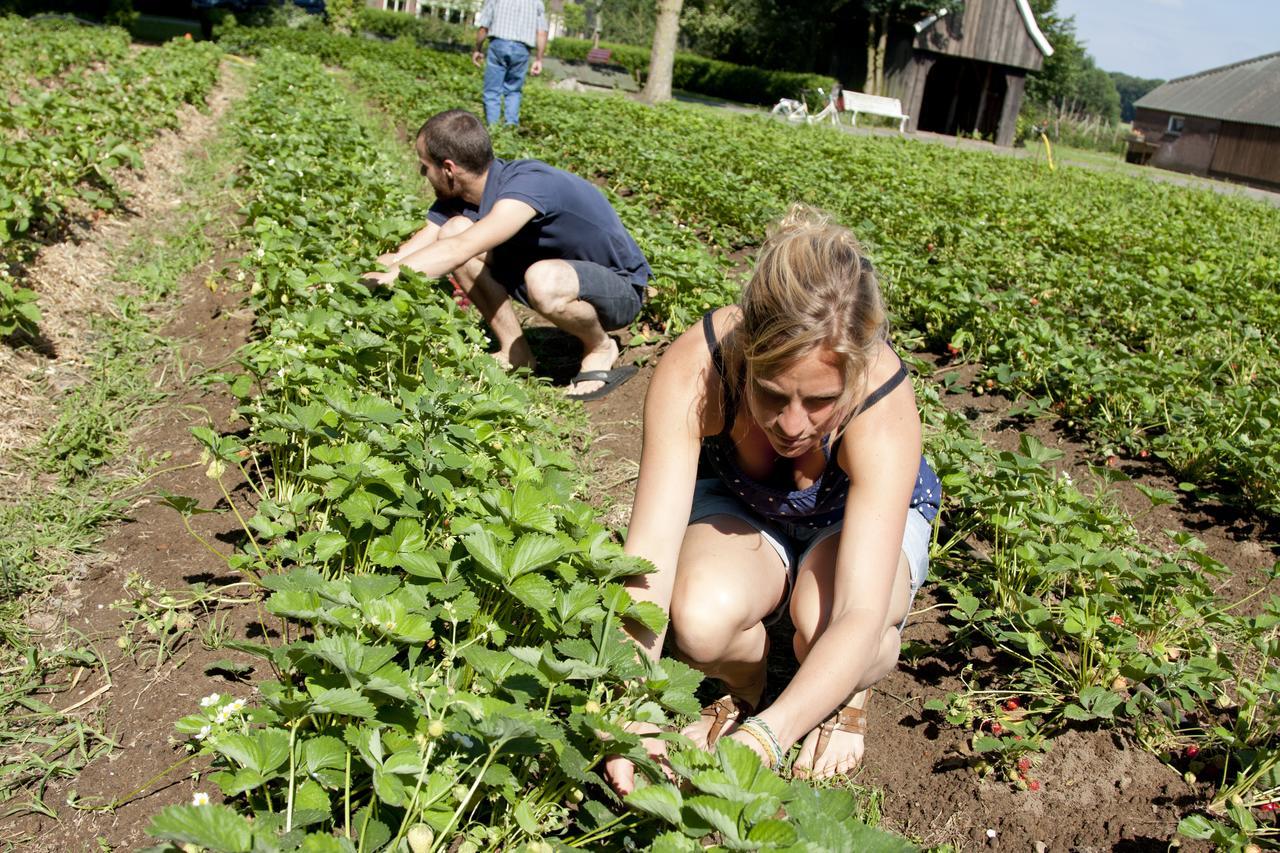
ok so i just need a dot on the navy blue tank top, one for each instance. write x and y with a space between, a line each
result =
822 503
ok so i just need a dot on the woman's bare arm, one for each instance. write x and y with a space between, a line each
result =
674 422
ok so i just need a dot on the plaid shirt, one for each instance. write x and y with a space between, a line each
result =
514 20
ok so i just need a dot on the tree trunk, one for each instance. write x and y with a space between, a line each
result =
662 58
882 47
873 41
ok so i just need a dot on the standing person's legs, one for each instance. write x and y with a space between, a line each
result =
495 71
585 300
513 81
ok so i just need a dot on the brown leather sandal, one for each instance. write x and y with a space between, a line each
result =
846 719
725 710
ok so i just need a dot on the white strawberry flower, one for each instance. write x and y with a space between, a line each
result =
210 700
204 732
199 798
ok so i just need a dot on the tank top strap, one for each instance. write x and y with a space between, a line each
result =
728 397
884 390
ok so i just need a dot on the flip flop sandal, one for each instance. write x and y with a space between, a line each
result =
846 719
727 709
611 379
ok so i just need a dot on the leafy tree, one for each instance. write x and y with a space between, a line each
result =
1130 90
575 19
626 21
1070 80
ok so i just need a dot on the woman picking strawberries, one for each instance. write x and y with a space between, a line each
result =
782 468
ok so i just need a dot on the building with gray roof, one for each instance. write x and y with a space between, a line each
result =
1224 122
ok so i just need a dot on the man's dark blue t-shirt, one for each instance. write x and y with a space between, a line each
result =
573 222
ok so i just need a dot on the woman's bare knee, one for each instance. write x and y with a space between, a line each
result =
705 619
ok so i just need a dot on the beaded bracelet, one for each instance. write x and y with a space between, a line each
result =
761 731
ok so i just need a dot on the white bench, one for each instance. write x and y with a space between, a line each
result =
876 105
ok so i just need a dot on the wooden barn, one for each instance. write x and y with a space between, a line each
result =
965 72
1224 123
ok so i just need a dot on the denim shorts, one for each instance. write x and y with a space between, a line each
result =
616 299
793 542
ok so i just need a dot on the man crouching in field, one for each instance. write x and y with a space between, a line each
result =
524 229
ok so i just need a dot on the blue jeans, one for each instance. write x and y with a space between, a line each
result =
504 69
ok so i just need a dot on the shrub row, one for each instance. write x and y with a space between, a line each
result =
712 77
425 31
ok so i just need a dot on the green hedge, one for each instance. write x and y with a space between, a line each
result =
694 73
425 31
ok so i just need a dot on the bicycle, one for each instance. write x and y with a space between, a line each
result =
791 109
797 110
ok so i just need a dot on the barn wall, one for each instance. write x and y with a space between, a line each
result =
1192 151
988 30
1247 152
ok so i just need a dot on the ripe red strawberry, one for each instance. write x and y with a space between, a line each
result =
1033 784
1011 705
1193 751
1116 619
997 729
1270 807
1024 764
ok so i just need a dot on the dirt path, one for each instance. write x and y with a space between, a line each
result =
115 596
1098 793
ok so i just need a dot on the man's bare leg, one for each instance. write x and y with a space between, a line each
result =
496 309
493 301
553 293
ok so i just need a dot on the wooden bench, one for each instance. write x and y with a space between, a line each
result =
599 56
876 105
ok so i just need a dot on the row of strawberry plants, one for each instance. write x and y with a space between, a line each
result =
63 141
452 670
65 136
40 49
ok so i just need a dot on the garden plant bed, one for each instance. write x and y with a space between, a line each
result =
398 566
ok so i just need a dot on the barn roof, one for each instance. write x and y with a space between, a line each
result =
1247 92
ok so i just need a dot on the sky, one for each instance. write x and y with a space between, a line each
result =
1172 38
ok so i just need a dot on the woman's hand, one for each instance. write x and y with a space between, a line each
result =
621 773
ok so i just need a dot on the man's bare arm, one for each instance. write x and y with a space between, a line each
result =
425 237
446 254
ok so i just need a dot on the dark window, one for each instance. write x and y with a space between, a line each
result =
1175 125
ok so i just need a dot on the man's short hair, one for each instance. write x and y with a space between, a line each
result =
459 136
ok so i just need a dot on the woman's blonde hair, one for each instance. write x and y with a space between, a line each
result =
812 289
